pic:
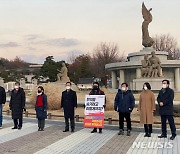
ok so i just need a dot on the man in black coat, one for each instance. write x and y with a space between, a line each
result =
17 105
2 102
96 91
69 103
165 101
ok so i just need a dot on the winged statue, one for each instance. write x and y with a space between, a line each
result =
147 41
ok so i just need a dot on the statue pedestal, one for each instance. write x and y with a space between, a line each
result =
156 83
138 56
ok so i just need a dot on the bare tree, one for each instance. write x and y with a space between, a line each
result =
167 43
71 57
103 54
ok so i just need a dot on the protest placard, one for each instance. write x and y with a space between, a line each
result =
94 111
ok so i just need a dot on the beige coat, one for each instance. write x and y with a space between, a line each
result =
146 106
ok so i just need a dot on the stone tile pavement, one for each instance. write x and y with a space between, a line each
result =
53 141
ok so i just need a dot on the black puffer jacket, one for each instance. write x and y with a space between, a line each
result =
124 101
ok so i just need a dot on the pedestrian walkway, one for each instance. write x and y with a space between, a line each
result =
155 145
53 141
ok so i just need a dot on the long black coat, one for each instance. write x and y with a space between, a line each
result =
17 103
2 95
68 103
167 98
41 111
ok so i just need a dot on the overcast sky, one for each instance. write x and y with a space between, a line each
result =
34 29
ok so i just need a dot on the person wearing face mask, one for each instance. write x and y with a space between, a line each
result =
69 104
146 107
17 105
165 100
124 103
41 108
96 91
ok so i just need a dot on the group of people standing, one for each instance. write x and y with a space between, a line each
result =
124 104
17 106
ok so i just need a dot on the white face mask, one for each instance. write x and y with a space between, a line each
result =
16 87
68 87
39 93
123 89
164 86
145 88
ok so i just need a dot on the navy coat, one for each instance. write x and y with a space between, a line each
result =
124 101
167 98
17 103
68 103
41 111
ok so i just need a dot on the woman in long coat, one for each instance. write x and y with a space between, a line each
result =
17 105
146 108
41 108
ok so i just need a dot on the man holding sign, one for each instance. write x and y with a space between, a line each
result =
94 109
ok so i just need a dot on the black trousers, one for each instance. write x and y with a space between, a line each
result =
41 123
67 123
95 129
18 122
121 120
148 128
170 119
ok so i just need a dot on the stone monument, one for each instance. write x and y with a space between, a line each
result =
147 65
151 67
155 66
147 41
62 76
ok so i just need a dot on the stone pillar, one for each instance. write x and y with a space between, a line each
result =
138 73
114 79
177 79
121 76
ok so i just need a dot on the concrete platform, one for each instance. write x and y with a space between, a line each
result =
53 141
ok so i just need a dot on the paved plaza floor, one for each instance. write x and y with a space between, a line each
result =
53 141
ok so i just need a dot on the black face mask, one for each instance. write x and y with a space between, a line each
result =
95 87
39 91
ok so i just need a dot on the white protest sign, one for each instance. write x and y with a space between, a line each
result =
94 104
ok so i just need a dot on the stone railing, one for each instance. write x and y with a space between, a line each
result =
78 118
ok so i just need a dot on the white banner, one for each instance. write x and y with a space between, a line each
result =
94 104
